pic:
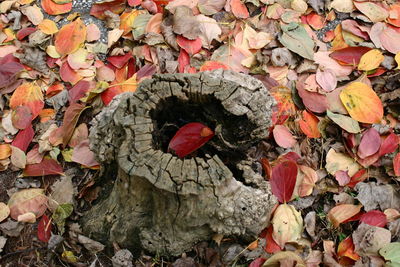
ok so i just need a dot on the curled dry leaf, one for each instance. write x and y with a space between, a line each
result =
342 212
27 200
287 224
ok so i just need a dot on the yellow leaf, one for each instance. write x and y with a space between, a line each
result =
371 60
287 224
48 27
5 151
4 211
362 103
336 161
397 58
342 212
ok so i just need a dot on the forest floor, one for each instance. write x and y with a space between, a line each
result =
332 157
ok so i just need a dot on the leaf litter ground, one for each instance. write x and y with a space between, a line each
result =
333 153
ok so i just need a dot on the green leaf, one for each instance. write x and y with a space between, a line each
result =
345 122
59 216
296 39
391 252
139 25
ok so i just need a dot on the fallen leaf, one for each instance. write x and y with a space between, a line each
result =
346 249
336 161
394 15
345 6
129 85
396 164
46 167
93 32
210 7
370 143
24 138
308 179
213 65
83 155
368 240
4 211
283 137
21 117
190 46
284 258
287 225
53 9
209 30
62 192
374 218
326 79
33 13
115 6
271 246
391 253
5 151
342 177
70 37
362 103
30 95
283 180
27 200
390 39
309 125
349 55
48 27
44 229
296 39
18 157
341 213
373 11
239 9
371 60
62 212
348 124
9 72
189 138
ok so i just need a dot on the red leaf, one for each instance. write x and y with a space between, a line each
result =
213 65
349 55
183 60
271 246
190 46
98 9
44 229
283 180
67 74
46 167
389 145
79 90
8 73
359 176
21 117
374 218
396 164
189 138
313 101
24 138
257 262
370 143
21 34
119 61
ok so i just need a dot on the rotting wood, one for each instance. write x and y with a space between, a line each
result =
166 204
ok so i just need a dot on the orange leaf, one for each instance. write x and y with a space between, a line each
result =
338 42
48 26
213 65
5 151
346 249
342 212
30 95
395 21
310 177
70 37
52 8
129 85
127 19
239 9
309 125
362 103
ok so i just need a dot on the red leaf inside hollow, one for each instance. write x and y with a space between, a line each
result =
189 138
374 218
44 229
283 180
349 55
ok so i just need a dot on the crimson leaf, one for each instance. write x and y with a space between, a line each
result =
283 180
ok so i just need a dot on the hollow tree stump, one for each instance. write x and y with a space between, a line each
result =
166 204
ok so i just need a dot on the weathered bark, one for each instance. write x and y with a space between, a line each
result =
166 204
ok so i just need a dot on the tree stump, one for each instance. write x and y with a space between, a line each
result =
166 204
